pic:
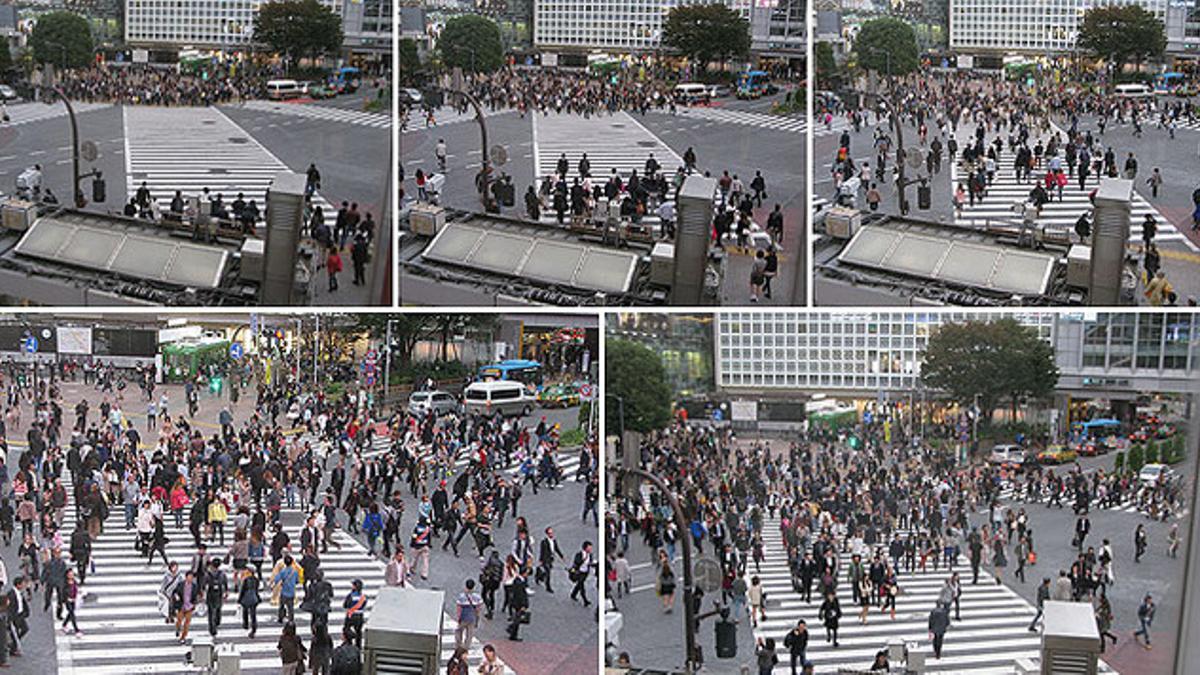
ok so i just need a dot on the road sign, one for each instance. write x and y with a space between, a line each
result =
586 391
235 351
707 574
372 356
498 155
29 344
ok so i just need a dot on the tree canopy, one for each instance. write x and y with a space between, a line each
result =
1121 34
634 375
410 61
63 39
705 33
887 46
990 359
471 42
298 29
409 329
829 74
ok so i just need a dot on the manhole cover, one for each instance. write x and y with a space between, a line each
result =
239 140
142 176
648 144
208 121
617 125
219 171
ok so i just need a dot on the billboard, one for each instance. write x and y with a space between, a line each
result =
743 411
74 339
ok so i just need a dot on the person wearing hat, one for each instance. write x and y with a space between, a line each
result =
355 605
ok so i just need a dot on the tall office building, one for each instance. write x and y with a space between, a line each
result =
616 25
832 352
860 355
1024 26
203 24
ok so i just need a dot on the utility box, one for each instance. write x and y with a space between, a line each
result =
19 214
426 219
203 652
694 217
1070 639
1079 265
1110 232
842 222
253 256
229 660
662 263
403 633
285 220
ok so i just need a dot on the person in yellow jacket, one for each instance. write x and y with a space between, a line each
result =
218 513
1159 289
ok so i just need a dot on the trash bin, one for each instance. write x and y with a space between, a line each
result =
726 639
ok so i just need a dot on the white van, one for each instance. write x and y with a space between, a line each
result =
1134 90
278 90
689 93
509 397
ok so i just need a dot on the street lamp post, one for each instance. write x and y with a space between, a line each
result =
691 663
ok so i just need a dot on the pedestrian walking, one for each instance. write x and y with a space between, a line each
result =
1145 615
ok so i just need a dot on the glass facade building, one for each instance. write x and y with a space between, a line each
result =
684 343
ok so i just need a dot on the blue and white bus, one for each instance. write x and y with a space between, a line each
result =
519 370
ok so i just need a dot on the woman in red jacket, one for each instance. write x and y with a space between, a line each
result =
333 265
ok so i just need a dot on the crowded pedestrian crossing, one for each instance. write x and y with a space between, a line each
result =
189 149
992 636
616 141
323 113
1128 502
26 113
123 628
1006 194
567 460
446 115
785 123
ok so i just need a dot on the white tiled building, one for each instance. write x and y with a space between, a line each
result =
823 351
212 24
616 25
1025 26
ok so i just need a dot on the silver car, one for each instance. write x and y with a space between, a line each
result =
436 402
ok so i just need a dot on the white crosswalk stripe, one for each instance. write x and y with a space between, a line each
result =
25 113
615 141
992 635
786 123
123 632
1006 192
323 112
189 149
1128 502
836 125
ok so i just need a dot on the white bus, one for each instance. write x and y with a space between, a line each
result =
1133 90
278 90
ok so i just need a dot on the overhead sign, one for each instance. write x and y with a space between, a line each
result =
743 411
74 339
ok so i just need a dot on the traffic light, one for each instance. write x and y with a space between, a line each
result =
924 193
98 190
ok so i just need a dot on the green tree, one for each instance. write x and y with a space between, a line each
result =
1137 458
1119 462
829 74
471 42
635 379
297 29
706 33
63 39
1121 34
887 46
410 61
993 360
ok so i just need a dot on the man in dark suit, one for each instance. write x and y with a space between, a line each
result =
546 552
18 610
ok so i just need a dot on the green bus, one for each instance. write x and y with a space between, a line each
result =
182 361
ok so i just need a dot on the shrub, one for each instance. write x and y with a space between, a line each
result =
1137 458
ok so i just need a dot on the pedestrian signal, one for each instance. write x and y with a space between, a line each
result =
98 190
923 196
